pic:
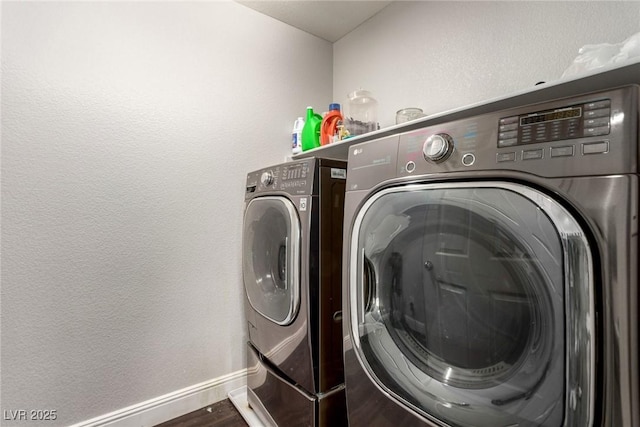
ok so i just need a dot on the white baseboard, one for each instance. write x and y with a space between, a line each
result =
172 405
239 399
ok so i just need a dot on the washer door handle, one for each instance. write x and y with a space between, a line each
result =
282 263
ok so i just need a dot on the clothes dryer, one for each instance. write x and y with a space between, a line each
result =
292 248
491 267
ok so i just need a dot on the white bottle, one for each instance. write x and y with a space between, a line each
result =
296 136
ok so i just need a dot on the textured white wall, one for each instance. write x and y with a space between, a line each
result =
127 132
444 55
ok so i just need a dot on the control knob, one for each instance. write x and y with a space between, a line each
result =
266 178
437 148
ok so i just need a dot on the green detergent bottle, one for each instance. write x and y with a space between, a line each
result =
311 130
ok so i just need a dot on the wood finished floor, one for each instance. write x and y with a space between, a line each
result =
221 414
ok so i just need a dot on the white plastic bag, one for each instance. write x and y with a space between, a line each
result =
593 56
630 49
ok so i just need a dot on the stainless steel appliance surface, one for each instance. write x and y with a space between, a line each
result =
292 258
491 268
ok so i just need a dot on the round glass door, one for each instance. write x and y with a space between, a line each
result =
458 301
270 252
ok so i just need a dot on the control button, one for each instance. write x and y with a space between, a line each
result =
507 142
468 159
506 157
437 148
603 130
507 128
532 154
266 178
597 105
410 166
594 123
508 120
594 114
562 151
595 147
508 135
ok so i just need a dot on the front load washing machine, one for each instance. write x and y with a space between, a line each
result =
491 267
292 249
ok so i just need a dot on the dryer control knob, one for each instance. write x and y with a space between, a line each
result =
266 178
437 148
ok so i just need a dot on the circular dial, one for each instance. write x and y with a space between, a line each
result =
266 178
437 148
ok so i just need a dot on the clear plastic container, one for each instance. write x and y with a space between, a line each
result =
408 114
361 113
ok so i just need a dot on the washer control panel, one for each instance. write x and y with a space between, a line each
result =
292 178
566 122
593 133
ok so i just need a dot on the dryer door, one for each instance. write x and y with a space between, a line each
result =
472 304
271 258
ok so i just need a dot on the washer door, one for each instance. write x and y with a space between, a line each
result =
472 304
271 258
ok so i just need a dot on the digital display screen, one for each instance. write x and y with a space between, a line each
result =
295 171
548 116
